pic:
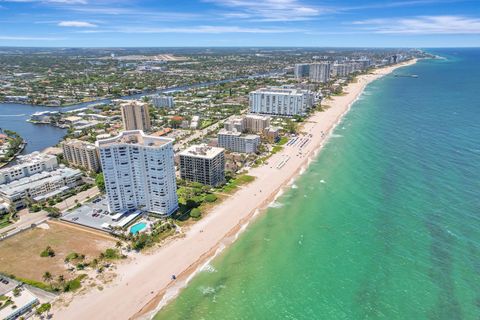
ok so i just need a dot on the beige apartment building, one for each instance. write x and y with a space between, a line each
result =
81 154
135 116
256 123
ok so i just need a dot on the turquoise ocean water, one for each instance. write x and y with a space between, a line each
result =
384 224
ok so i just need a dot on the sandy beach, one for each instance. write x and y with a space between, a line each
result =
144 284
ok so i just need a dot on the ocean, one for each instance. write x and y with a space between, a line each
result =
385 222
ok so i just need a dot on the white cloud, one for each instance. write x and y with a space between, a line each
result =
77 24
271 10
29 38
196 29
422 25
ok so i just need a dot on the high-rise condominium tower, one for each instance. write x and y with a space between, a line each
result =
139 172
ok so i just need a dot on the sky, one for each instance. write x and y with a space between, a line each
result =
248 23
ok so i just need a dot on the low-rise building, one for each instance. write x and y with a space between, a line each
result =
40 186
28 165
194 122
237 142
81 154
21 301
272 134
204 164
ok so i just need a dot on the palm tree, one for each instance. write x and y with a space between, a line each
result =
47 276
61 278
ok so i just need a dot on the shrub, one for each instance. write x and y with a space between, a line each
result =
48 252
71 256
210 198
112 254
195 213
74 284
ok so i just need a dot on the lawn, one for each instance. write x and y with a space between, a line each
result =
233 184
4 220
20 254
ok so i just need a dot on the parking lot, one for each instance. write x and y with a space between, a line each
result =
94 214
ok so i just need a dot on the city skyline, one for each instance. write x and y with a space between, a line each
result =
275 23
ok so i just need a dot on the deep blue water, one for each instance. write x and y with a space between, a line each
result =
13 117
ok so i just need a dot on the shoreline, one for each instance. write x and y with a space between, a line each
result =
152 287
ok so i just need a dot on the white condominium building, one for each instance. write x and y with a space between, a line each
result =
135 116
139 172
281 101
342 69
162 101
204 164
320 72
81 154
237 142
235 124
28 165
40 186
301 70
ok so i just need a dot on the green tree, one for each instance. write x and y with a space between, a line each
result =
100 182
47 276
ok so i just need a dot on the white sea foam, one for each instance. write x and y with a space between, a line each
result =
275 204
242 228
209 268
207 290
294 186
334 135
323 181
173 291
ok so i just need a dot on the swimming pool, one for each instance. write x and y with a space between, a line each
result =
136 228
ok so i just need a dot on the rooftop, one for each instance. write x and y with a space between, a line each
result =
257 116
23 300
34 157
238 134
134 137
75 142
133 103
230 133
284 90
202 151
